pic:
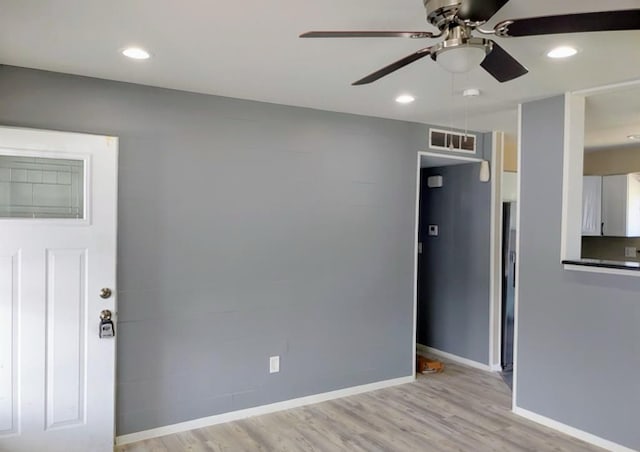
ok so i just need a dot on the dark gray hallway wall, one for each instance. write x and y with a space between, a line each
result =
578 356
245 230
453 307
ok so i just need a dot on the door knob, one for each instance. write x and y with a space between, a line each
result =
105 315
105 293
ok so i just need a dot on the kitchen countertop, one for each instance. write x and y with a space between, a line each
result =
604 264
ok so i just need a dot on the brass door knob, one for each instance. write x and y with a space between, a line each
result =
105 315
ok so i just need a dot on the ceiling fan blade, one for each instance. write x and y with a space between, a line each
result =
394 66
571 23
480 10
502 66
367 34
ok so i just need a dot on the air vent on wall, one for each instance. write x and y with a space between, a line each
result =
452 141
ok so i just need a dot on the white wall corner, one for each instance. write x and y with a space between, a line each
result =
516 301
495 284
416 239
572 171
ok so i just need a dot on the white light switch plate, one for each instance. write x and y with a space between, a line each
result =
274 364
630 251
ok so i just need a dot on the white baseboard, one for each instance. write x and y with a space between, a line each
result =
571 431
496 368
257 411
454 358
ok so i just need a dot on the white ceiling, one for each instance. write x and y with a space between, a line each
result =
611 117
249 49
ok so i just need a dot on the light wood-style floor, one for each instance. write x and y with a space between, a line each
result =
462 409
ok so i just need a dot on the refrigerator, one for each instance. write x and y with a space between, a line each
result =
509 230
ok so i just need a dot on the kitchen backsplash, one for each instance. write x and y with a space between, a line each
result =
609 248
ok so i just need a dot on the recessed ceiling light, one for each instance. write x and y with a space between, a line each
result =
405 99
136 53
562 52
635 137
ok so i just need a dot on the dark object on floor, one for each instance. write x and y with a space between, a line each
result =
426 365
507 376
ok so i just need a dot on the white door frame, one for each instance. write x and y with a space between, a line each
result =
61 242
416 238
495 290
495 307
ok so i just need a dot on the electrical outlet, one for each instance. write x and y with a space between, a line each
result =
274 364
630 251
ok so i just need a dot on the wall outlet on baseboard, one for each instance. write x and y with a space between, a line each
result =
630 251
274 364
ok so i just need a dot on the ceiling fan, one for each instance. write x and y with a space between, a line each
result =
460 51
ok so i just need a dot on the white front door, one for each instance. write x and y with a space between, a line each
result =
57 251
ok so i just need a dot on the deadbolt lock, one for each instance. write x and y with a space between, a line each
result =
106 325
105 293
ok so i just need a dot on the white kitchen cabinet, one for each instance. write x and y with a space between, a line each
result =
621 205
592 205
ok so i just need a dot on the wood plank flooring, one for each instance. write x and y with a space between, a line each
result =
461 409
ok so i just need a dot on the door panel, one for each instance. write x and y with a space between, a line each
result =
9 305
57 250
66 280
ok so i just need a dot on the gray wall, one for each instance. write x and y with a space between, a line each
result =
245 230
579 333
454 280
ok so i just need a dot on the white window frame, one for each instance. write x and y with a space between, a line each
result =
573 169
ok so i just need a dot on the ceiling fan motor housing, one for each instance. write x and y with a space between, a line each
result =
458 36
441 12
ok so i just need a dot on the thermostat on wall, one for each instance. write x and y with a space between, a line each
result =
434 181
433 230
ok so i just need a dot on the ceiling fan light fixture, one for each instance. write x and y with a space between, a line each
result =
562 52
461 53
634 137
405 99
461 59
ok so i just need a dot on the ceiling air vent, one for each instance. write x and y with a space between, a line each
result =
452 141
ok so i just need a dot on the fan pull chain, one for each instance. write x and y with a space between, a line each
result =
466 111
453 101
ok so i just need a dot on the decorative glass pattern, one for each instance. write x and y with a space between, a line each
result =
37 187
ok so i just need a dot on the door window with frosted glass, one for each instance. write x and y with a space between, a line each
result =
36 187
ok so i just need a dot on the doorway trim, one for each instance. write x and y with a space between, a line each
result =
58 272
416 238
495 285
